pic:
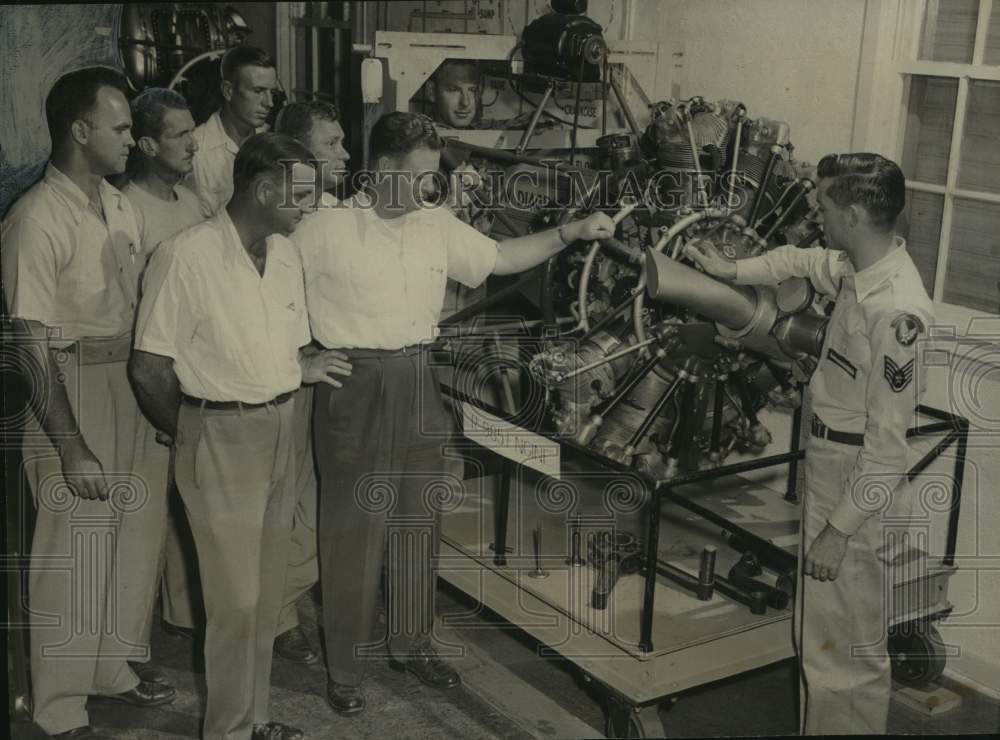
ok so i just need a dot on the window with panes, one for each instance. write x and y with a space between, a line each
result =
950 152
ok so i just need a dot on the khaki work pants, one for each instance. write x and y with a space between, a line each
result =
841 626
235 476
94 564
181 592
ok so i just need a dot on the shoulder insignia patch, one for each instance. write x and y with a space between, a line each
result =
907 327
898 376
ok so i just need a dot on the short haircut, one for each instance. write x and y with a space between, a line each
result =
868 180
244 56
449 64
74 96
399 133
267 154
296 119
149 107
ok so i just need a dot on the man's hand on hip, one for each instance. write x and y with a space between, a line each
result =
322 366
826 554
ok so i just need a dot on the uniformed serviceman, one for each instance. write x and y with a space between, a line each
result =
221 347
864 394
163 129
375 278
249 82
71 259
316 125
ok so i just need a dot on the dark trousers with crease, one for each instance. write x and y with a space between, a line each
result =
378 443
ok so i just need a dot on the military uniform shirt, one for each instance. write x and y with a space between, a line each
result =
233 334
868 379
65 266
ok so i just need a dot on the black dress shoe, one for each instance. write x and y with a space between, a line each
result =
148 672
276 731
80 733
188 633
424 663
293 645
145 694
345 699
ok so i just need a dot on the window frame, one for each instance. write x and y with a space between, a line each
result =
890 43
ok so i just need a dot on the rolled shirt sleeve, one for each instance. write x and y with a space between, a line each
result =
29 271
165 309
895 387
472 256
824 267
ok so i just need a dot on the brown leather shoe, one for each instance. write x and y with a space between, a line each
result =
424 663
345 699
292 645
145 694
80 733
148 672
276 731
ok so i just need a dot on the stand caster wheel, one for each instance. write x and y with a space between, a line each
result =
917 654
625 721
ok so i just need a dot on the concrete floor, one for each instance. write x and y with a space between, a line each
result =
509 692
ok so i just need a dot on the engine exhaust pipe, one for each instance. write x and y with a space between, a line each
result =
670 281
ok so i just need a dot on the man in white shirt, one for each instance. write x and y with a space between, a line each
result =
864 394
314 124
375 281
249 82
163 130
221 346
71 258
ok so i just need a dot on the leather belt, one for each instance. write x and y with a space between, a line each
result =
361 353
821 430
234 405
101 350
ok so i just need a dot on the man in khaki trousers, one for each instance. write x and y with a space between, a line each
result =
222 344
71 259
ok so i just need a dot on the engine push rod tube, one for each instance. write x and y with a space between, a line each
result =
605 360
589 429
804 186
765 182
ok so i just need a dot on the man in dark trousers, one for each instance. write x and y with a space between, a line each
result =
375 282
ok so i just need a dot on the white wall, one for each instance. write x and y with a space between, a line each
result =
791 60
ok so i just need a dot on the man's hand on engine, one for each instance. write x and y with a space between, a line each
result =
705 255
595 227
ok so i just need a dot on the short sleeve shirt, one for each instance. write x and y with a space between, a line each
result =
233 334
158 219
380 283
66 266
213 165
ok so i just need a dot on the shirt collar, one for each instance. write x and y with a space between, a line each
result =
216 135
235 252
870 278
74 198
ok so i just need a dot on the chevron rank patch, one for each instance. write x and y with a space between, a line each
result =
898 376
907 327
